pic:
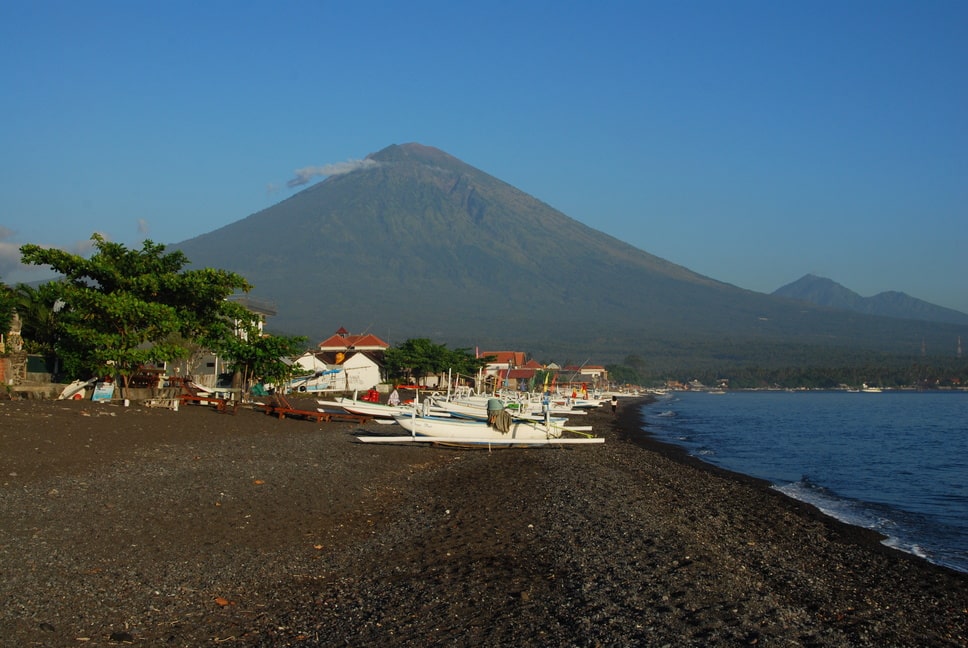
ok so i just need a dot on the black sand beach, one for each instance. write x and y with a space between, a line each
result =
136 526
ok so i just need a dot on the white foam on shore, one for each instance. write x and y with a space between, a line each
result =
917 510
877 518
830 503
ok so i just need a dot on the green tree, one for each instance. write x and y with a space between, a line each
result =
462 362
418 358
37 308
624 375
126 308
262 358
635 362
6 308
412 360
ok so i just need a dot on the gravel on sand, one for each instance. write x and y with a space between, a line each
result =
145 526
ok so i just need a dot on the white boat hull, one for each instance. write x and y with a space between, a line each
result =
473 412
364 408
454 430
481 442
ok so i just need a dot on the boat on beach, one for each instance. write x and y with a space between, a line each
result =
455 431
364 408
477 412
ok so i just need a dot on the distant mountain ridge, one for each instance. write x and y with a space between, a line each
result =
416 243
828 293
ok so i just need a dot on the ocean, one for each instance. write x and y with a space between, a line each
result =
894 462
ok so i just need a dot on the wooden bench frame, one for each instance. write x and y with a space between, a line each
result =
190 395
281 407
222 404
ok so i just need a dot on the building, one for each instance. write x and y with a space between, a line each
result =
343 341
591 376
359 356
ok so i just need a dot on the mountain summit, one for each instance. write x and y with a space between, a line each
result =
416 243
826 292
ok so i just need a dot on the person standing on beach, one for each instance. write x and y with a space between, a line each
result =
614 403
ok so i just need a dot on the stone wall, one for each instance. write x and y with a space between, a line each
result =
15 368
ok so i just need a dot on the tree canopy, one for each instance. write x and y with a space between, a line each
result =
126 308
36 308
6 308
261 357
418 358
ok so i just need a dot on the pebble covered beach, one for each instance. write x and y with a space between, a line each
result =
146 526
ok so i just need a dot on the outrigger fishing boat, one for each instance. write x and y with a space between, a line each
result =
452 431
479 412
384 412
364 408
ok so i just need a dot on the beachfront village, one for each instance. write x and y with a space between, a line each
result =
343 362
139 319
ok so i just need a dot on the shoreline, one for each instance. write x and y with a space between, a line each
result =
868 538
142 527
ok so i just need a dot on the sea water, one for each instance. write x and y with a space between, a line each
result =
894 462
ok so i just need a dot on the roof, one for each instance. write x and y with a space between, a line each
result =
347 341
512 358
332 357
584 369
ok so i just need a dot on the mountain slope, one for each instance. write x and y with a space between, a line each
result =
825 292
416 243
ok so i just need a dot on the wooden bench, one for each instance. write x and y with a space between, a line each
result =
280 406
191 395
222 404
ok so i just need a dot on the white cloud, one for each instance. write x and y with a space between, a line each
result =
9 258
306 174
12 271
9 254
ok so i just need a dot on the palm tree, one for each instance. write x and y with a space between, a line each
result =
37 309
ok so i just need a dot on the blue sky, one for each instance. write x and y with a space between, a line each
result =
753 142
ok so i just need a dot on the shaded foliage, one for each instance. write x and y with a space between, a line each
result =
417 358
124 308
255 357
36 308
624 375
6 307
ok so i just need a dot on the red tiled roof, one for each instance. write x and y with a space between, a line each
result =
369 340
338 341
513 358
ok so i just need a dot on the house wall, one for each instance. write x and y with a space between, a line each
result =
361 372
